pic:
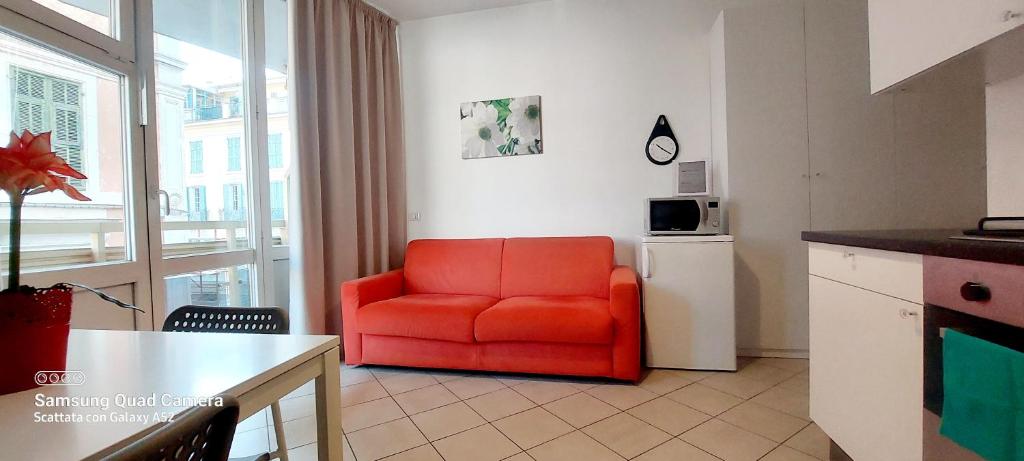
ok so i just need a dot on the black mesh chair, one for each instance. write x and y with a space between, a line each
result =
199 434
259 320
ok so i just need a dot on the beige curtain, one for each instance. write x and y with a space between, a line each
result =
348 183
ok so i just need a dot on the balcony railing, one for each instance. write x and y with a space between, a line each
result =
220 236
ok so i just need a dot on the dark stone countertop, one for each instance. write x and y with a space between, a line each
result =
932 242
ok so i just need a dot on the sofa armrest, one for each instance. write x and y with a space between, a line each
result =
624 306
358 293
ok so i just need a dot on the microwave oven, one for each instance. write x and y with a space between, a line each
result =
683 216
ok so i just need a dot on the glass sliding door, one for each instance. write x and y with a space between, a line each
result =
215 201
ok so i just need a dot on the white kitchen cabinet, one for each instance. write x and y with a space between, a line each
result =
866 352
910 36
689 308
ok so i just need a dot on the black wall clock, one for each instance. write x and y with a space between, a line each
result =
662 147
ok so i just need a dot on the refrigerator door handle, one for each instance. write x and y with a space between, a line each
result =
645 270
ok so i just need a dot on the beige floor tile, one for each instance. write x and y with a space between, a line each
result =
299 407
622 396
377 442
297 432
704 399
737 385
800 383
310 453
759 371
519 457
786 364
405 382
668 415
581 409
426 398
662 382
472 386
483 443
541 392
381 372
350 376
251 442
626 435
697 375
447 375
675 450
256 421
787 401
499 404
420 453
532 427
812 441
784 453
370 413
514 380
359 393
727 441
346 449
447 420
575 446
764 421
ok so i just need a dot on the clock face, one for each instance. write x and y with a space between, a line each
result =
662 149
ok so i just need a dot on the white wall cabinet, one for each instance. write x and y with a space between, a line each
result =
910 36
867 352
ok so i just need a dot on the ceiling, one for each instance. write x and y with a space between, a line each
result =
408 10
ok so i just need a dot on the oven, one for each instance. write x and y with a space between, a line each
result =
979 299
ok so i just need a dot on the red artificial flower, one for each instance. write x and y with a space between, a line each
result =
29 166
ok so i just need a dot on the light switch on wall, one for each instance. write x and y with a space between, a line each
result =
414 216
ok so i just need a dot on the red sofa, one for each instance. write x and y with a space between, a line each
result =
533 305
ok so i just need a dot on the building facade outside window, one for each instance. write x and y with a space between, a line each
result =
274 152
47 103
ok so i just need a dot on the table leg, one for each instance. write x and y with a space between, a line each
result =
328 407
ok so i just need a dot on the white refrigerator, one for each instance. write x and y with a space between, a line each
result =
689 310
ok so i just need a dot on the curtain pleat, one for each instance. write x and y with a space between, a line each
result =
349 164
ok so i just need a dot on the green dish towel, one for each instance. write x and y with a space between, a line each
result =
983 405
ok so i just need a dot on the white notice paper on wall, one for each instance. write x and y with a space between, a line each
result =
694 178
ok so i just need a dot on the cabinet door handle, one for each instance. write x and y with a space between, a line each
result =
645 271
907 313
974 291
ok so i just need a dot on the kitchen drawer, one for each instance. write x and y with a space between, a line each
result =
888 272
944 285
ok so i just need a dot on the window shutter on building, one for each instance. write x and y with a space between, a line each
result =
44 103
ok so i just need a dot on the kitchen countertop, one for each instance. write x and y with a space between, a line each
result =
932 242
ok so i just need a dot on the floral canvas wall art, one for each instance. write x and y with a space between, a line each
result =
501 127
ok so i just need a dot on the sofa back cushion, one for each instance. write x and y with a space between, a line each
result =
557 266
453 267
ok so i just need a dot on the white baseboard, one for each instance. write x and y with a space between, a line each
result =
779 353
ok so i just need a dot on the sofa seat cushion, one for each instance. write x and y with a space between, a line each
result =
424 316
552 319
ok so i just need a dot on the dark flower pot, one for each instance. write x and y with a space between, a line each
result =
34 327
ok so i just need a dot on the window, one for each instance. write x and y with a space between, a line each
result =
274 150
234 154
197 203
234 202
277 200
235 106
195 149
47 103
202 105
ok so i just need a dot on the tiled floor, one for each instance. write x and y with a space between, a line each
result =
757 413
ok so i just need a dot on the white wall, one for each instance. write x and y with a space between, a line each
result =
605 70
1005 133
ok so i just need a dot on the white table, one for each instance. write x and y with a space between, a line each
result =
257 369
